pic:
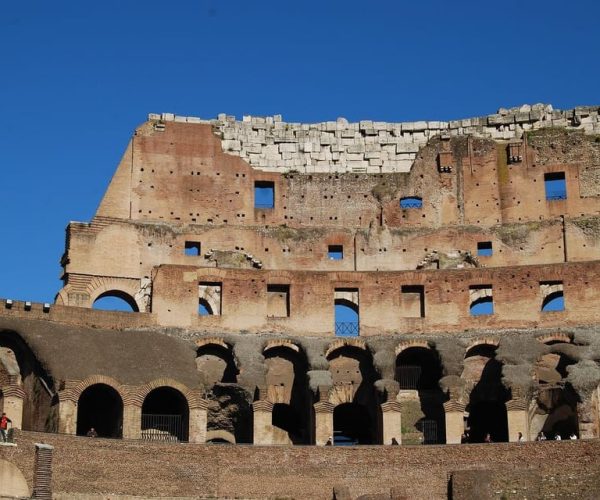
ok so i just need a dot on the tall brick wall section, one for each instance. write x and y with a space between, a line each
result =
86 466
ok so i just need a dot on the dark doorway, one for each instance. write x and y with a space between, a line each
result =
165 415
100 407
351 425
488 417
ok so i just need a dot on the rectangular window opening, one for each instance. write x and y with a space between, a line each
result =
335 252
556 186
192 248
413 301
346 311
209 298
278 301
481 301
411 202
484 249
264 194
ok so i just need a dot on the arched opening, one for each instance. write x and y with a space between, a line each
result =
230 412
482 306
115 300
347 319
287 382
486 409
419 369
488 417
352 425
204 308
165 415
554 302
100 407
216 364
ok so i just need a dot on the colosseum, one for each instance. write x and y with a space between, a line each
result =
331 310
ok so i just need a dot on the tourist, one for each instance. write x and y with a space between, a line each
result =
4 421
463 438
329 441
92 433
488 438
557 437
541 437
520 438
395 441
573 436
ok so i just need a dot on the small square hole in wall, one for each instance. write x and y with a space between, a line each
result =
278 301
335 252
412 301
192 248
484 249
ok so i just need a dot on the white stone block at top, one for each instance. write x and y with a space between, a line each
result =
268 143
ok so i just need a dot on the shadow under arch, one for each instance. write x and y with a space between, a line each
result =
287 388
216 363
419 369
165 415
100 406
487 400
123 298
352 424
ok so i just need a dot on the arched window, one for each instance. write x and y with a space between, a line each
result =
100 407
165 415
554 302
115 300
346 318
482 306
204 308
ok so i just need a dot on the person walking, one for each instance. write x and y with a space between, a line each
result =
4 421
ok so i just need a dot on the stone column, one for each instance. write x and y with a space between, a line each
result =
392 422
67 416
263 422
518 419
13 405
132 422
198 422
455 425
323 422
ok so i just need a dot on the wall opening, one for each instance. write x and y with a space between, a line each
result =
278 301
115 300
192 248
481 300
335 252
552 296
347 318
484 249
165 415
488 417
412 301
351 425
209 298
100 407
264 194
411 202
216 365
556 186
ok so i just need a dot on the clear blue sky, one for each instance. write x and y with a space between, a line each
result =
77 77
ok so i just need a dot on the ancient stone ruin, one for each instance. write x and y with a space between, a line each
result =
331 285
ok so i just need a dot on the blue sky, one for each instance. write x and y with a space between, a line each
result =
77 77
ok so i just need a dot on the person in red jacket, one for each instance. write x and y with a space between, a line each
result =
4 427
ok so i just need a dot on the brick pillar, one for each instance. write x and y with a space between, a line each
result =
263 422
392 422
42 472
67 417
132 422
518 419
455 426
198 422
323 422
13 405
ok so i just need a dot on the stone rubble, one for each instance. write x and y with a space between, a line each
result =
270 144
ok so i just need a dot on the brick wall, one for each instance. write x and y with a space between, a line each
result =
86 466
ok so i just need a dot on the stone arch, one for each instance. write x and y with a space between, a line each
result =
491 341
73 390
100 409
272 344
555 337
193 399
12 481
124 288
119 294
341 343
407 344
220 435
215 361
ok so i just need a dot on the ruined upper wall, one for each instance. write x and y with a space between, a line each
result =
268 143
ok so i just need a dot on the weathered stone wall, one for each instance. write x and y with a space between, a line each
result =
270 144
85 466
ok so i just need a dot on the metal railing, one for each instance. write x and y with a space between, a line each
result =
430 432
408 376
346 329
411 204
162 427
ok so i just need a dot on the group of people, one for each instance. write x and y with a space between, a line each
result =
557 437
